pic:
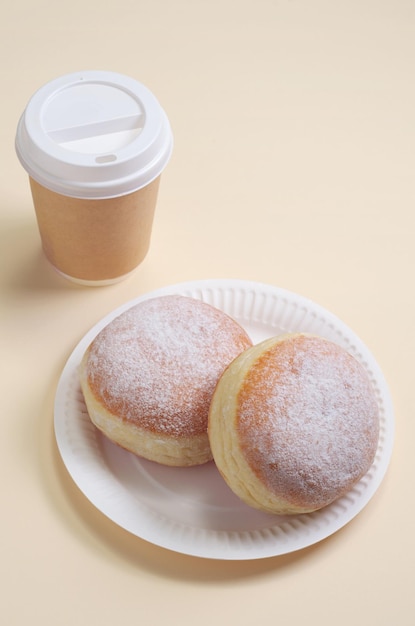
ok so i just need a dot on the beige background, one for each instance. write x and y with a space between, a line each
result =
293 165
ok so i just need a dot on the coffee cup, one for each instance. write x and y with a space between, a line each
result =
94 145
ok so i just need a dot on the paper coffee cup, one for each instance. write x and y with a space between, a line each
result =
94 145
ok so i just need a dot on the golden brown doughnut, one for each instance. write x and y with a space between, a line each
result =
149 375
293 424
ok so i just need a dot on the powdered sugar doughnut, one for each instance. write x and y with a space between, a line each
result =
149 375
293 424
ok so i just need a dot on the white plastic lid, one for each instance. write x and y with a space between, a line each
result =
94 134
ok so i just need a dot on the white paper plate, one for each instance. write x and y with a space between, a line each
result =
192 510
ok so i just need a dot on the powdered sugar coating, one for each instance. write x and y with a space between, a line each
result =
308 420
157 364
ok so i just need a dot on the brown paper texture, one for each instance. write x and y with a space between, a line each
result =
95 240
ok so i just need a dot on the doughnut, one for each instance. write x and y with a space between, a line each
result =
148 376
293 424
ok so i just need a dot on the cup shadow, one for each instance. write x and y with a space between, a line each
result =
28 268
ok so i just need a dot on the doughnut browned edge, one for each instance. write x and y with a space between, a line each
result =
148 377
293 424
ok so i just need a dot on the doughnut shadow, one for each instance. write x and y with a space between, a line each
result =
110 542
